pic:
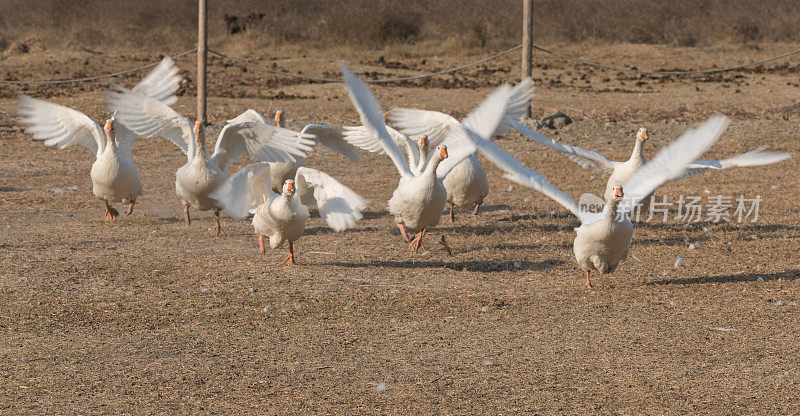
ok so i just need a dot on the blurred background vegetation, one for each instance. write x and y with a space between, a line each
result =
457 25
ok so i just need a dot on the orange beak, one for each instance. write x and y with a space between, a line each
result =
109 125
290 188
443 152
278 117
423 140
645 135
618 192
198 126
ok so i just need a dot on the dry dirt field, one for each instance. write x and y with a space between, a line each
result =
145 316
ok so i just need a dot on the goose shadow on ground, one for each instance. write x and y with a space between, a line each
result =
788 275
473 266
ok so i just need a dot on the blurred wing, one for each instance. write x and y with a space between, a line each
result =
671 161
244 190
59 126
261 141
481 122
584 158
250 115
150 118
371 116
338 205
757 157
516 172
161 83
124 139
517 107
415 123
332 139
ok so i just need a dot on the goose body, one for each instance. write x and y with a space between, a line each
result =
467 184
418 201
603 239
282 217
114 175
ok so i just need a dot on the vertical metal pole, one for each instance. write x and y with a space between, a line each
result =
527 41
202 43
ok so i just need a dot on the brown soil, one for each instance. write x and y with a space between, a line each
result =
145 316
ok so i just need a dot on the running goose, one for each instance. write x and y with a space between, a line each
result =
603 239
115 177
282 216
419 199
202 174
622 171
467 184
324 135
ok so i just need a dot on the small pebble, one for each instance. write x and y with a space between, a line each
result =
692 246
779 303
58 191
792 303
678 262
266 309
484 308
488 363
74 187
206 290
510 188
517 265
673 303
381 387
392 321
775 187
760 279
527 200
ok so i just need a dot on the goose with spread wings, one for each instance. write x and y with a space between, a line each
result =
420 198
603 239
282 216
467 184
322 134
202 173
115 177
622 171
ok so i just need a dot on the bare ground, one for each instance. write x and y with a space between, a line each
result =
145 316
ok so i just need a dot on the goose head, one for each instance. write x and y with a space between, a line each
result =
289 188
422 143
280 118
442 153
109 127
643 134
198 127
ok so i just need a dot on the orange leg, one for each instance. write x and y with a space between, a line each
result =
416 243
477 207
130 209
403 231
186 212
111 213
262 248
588 282
452 214
218 227
290 257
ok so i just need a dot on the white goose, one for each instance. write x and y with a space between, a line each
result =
282 216
202 174
603 239
622 171
115 177
420 198
467 184
324 135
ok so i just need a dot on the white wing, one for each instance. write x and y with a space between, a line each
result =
59 126
415 123
161 83
332 139
250 115
338 205
371 115
364 138
516 172
671 161
518 100
124 139
244 190
482 121
261 141
584 158
757 157
150 118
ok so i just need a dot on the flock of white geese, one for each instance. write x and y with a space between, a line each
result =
434 153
